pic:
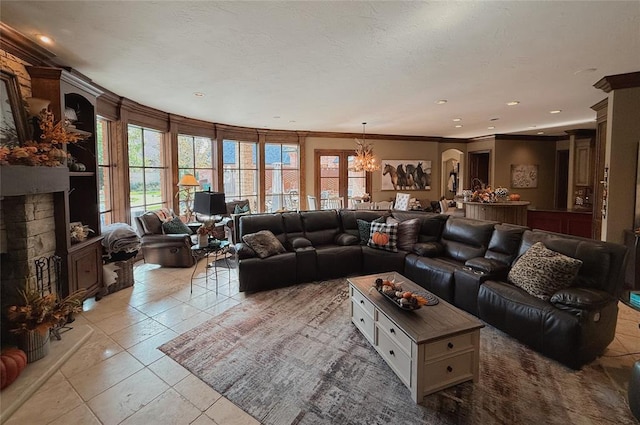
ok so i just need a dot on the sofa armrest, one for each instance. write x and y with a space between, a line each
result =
345 239
495 268
244 251
168 240
581 299
428 249
300 243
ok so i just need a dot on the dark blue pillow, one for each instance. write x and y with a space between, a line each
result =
241 210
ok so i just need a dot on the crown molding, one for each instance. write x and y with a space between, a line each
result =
619 81
24 48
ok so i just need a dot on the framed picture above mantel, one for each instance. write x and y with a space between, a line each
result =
409 174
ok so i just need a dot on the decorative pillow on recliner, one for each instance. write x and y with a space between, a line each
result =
242 209
176 227
542 272
364 228
384 236
264 243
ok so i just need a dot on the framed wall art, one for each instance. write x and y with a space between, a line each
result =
407 174
524 176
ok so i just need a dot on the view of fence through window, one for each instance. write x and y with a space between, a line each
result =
146 170
282 177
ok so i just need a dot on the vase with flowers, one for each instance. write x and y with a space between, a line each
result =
37 315
47 150
206 231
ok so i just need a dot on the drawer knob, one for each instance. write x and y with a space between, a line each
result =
392 353
362 320
392 330
361 301
449 369
450 345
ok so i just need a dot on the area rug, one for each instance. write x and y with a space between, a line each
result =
292 356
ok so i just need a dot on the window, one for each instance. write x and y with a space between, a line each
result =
240 161
105 174
195 156
146 170
335 177
282 177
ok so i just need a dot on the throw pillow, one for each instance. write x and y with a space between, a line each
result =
384 236
364 229
241 209
542 272
408 232
264 243
176 227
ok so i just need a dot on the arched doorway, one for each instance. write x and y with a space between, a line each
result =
452 173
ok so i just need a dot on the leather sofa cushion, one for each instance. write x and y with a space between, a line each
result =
345 239
428 249
504 243
431 224
321 227
408 231
488 265
253 223
465 238
541 271
582 298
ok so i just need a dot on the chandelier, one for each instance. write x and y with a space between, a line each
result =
364 160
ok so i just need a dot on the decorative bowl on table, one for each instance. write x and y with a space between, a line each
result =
406 300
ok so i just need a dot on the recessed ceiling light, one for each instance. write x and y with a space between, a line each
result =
513 103
494 119
457 119
458 125
441 101
198 94
292 120
540 132
532 126
555 111
276 117
45 38
491 127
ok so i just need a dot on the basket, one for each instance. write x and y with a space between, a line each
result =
125 275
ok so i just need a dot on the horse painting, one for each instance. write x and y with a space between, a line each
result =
406 175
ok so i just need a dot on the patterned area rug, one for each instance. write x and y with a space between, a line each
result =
292 356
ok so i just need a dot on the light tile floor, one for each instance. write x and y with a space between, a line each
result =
119 376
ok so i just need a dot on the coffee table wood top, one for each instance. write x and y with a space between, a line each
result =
423 325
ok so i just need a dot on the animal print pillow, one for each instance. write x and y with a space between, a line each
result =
264 243
542 272
384 236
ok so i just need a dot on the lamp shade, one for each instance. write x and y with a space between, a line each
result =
188 180
210 203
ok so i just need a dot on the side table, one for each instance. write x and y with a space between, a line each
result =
215 248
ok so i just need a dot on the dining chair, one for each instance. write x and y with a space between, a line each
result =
332 204
383 205
363 205
402 201
312 203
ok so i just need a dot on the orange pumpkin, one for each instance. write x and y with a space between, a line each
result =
380 238
514 197
12 363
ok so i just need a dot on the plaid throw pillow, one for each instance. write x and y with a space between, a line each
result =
384 236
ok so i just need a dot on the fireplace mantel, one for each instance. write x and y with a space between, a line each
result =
18 180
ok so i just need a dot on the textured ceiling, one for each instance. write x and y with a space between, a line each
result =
329 66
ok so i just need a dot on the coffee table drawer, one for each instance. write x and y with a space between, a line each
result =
395 357
362 320
396 334
449 371
449 346
359 299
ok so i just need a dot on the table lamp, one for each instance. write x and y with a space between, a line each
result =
185 184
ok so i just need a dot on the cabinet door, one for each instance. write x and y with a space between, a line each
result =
583 164
85 266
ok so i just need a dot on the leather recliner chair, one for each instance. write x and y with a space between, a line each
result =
168 250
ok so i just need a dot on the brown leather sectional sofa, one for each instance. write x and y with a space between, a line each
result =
463 261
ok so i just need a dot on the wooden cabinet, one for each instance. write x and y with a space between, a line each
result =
81 261
567 222
583 168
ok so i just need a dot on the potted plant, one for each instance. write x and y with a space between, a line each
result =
33 320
